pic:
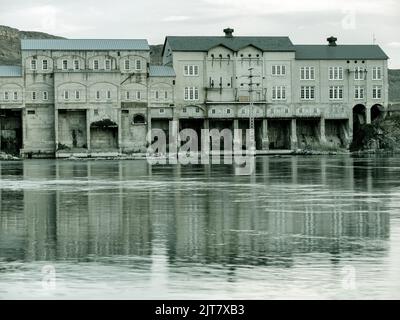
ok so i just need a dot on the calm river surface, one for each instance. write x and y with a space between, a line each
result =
299 228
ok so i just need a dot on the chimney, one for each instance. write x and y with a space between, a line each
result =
332 41
228 32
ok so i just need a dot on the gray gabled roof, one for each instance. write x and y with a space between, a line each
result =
162 71
339 52
204 44
10 71
84 44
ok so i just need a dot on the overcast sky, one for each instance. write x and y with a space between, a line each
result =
305 21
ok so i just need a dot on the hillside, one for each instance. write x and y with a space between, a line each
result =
394 85
10 49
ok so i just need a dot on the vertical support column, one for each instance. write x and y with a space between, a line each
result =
264 138
88 129
237 139
322 135
149 128
173 138
119 130
293 135
56 128
205 137
350 127
368 115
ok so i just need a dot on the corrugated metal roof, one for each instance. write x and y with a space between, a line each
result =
162 71
10 71
340 52
84 44
233 43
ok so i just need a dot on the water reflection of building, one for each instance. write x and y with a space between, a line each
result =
75 210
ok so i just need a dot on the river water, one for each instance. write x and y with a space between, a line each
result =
298 228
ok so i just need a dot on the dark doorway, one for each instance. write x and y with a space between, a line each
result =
279 134
11 131
376 112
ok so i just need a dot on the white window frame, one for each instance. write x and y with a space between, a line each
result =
33 64
359 92
77 64
34 95
108 95
377 73
64 64
278 93
45 95
336 73
96 64
6 96
45 62
191 94
127 64
191 70
15 95
138 95
307 73
336 92
307 93
77 95
138 65
278 70
98 95
107 64
66 95
359 74
375 90
127 95
166 95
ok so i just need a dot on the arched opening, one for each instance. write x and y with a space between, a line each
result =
104 135
139 119
376 112
359 117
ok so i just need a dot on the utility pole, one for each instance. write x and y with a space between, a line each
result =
251 112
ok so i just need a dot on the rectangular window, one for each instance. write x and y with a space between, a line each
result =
336 92
33 64
359 73
66 95
278 70
98 95
15 95
138 95
161 110
359 92
107 64
76 65
95 64
138 65
6 96
127 95
191 94
77 95
45 65
377 92
45 95
65 64
31 112
156 95
191 70
307 73
166 95
127 65
308 93
34 95
108 94
278 93
376 73
335 73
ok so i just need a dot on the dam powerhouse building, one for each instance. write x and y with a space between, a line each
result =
101 97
